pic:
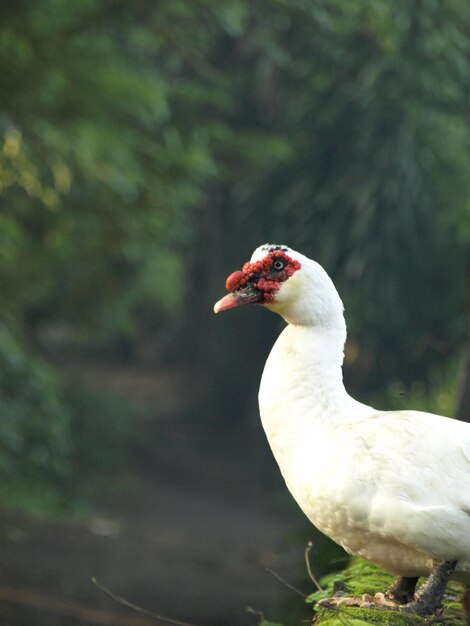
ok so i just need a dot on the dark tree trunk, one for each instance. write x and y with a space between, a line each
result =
462 411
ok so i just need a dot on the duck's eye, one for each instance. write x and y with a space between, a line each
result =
279 265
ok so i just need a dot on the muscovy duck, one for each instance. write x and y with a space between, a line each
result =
392 487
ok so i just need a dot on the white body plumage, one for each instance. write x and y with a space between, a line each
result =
391 487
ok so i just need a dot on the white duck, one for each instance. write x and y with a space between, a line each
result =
391 487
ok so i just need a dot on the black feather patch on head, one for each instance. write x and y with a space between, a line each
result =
271 247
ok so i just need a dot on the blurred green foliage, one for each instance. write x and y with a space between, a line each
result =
34 427
59 443
372 98
437 396
146 147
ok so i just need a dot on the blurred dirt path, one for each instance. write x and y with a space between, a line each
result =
190 540
181 552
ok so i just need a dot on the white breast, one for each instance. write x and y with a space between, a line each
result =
393 488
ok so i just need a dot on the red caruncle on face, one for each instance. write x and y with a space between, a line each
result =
265 275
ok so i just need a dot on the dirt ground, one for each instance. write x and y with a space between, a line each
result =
191 540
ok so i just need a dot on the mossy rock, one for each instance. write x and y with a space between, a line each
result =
362 577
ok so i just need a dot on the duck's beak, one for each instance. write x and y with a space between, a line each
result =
245 295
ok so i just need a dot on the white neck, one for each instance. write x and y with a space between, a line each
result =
302 384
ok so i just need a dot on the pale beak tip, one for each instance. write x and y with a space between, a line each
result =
227 302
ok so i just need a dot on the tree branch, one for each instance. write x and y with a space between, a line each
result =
134 607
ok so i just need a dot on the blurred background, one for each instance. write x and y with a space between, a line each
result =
146 148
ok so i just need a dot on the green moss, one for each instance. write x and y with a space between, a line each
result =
358 578
362 577
350 616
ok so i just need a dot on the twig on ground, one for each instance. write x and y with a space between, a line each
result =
134 607
309 569
259 614
284 582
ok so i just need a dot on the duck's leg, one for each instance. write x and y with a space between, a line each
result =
429 596
402 591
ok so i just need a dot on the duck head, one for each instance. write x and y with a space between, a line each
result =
287 283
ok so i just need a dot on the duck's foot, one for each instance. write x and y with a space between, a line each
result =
401 597
366 601
428 598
